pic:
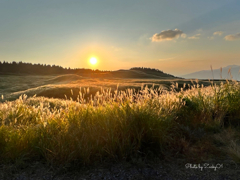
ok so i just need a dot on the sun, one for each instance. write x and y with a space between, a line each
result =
93 60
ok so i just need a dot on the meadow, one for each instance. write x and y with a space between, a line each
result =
71 119
60 86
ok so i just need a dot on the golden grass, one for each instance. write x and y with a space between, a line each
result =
57 86
116 124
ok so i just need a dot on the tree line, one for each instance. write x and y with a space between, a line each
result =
40 69
43 69
152 71
146 69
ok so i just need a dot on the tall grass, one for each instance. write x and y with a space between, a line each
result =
119 125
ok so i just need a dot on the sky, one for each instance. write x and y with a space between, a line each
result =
177 37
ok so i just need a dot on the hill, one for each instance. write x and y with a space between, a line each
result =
19 68
229 72
136 74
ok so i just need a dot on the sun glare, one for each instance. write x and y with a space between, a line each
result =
93 60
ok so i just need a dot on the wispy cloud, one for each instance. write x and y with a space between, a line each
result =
232 37
183 35
166 59
195 36
167 35
199 30
211 38
219 33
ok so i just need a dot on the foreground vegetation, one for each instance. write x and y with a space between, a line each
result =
197 123
57 86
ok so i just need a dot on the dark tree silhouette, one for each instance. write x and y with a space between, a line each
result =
43 69
40 69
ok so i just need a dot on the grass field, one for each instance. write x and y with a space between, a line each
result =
12 86
166 120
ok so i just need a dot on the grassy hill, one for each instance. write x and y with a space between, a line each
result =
136 74
59 83
68 85
20 68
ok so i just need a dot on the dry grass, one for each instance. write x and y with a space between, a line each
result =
12 86
116 124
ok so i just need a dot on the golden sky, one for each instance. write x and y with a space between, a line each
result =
177 37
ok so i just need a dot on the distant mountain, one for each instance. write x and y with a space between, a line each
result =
228 72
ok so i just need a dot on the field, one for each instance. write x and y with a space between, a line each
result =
57 86
69 119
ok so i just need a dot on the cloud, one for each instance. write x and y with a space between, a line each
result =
199 30
195 36
232 37
218 33
166 59
167 35
183 35
211 38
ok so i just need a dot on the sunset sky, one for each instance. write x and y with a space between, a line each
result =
177 37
